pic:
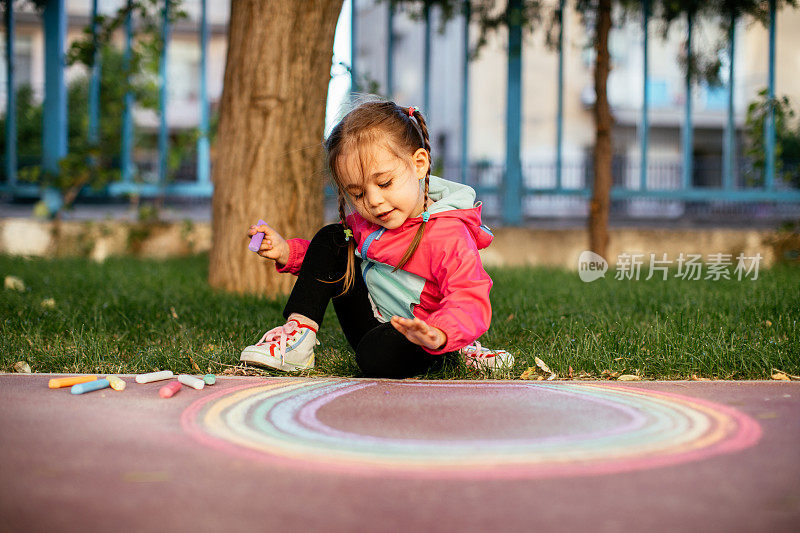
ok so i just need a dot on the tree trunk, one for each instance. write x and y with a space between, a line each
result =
269 150
598 215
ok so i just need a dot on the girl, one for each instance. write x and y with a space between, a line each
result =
402 270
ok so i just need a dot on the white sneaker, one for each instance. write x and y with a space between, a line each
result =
494 361
288 347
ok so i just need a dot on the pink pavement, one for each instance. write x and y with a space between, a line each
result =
331 454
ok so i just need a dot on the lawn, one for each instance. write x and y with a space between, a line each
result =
132 315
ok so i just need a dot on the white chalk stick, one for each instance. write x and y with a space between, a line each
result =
154 376
191 381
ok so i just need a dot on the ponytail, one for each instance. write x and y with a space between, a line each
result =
350 271
415 116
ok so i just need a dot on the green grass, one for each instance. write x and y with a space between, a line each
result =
132 315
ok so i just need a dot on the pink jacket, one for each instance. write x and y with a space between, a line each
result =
444 283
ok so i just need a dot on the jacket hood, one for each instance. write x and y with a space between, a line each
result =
447 200
456 200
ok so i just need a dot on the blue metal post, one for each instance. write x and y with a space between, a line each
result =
353 47
54 127
512 201
560 110
729 155
688 139
465 96
94 83
11 100
390 51
163 139
126 161
769 126
426 93
645 133
203 152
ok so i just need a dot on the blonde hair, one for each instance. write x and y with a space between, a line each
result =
403 130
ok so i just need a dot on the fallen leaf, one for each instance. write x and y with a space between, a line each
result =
539 372
609 374
788 375
570 371
22 367
48 303
174 314
194 365
695 377
542 365
780 376
768 323
628 377
510 317
14 283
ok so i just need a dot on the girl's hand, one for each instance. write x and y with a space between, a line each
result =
419 332
273 246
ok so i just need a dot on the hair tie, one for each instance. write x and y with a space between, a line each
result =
411 111
426 216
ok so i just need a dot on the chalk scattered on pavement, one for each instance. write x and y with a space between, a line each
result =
57 383
191 381
116 382
90 386
154 376
170 389
210 379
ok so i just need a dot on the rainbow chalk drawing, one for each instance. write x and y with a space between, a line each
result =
558 429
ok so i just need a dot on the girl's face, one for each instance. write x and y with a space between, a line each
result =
385 189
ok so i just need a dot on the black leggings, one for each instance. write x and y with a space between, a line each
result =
381 350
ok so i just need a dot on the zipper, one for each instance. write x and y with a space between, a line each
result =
375 235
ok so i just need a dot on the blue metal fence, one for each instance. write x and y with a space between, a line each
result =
510 186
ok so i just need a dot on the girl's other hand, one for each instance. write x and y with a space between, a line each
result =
273 246
418 332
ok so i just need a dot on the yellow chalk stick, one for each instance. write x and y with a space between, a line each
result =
116 382
57 383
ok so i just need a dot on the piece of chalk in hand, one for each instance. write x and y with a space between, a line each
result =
170 389
154 376
255 242
191 381
89 386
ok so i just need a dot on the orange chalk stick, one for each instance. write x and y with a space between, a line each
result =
57 383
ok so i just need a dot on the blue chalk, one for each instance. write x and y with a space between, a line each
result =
89 386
